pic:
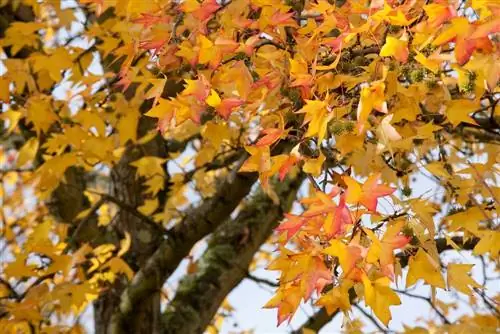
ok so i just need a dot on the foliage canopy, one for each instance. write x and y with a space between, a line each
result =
345 144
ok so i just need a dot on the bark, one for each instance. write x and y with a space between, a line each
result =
198 222
225 263
128 189
317 321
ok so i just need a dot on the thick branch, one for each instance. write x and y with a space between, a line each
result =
441 246
198 223
317 321
225 263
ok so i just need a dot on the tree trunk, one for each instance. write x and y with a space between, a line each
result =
145 238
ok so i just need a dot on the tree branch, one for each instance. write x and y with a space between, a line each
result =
371 318
198 223
317 321
225 262
428 301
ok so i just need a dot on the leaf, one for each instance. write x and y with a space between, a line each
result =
227 106
287 301
4 89
156 90
348 256
199 88
216 133
149 206
127 126
379 296
149 166
422 266
430 64
271 135
459 111
397 48
335 63
314 166
438 170
371 97
458 278
12 117
382 251
118 266
336 298
316 276
317 117
489 243
291 225
367 194
387 132
27 153
213 99
40 114
335 223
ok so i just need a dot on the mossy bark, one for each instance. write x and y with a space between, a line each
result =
225 262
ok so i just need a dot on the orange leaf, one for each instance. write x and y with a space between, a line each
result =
367 194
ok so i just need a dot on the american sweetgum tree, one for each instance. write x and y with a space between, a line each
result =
298 136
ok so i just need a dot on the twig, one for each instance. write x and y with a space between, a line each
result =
371 318
262 281
429 301
12 293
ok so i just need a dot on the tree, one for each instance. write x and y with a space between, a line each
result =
293 135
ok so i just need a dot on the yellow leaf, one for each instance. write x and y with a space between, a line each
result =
438 170
216 133
397 48
459 111
156 90
427 130
422 266
213 99
336 298
332 65
19 267
430 64
117 266
12 117
28 152
40 113
163 109
124 244
458 278
489 242
371 97
154 184
127 126
149 166
468 220
207 50
4 90
149 206
314 166
379 296
318 117
348 143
